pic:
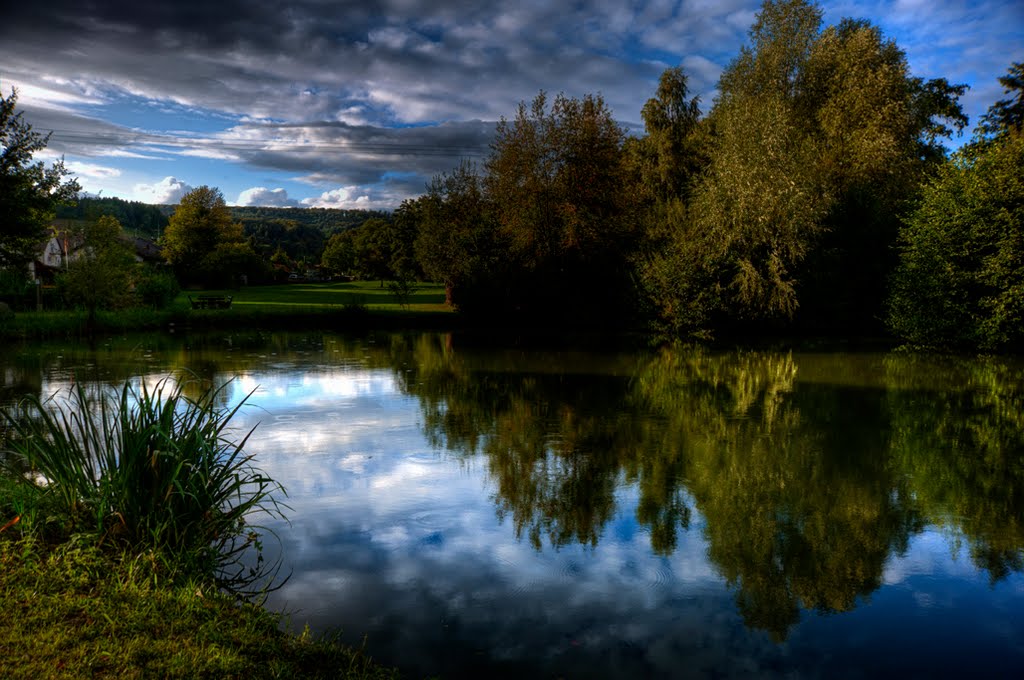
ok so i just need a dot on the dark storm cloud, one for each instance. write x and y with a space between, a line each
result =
369 69
377 61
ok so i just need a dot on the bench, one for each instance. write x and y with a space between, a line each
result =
211 302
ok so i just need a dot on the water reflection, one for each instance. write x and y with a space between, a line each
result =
480 510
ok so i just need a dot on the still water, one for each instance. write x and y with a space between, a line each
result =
474 510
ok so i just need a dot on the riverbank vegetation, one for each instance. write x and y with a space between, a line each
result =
345 305
131 546
813 196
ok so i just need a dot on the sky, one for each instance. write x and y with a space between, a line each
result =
315 103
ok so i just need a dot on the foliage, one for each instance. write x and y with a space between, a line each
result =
150 468
457 243
339 256
1007 115
299 241
99 276
326 220
555 179
960 281
373 249
155 287
816 138
29 192
669 157
405 229
136 218
203 243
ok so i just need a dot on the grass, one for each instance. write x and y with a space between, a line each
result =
124 519
73 611
345 305
426 297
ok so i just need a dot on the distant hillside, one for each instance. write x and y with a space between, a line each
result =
142 219
138 219
327 220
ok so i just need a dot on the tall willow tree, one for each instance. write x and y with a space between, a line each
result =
816 137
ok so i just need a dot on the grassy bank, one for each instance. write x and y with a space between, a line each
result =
337 306
130 544
77 611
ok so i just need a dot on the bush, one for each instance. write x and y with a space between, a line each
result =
156 288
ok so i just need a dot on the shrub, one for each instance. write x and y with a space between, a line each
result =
156 288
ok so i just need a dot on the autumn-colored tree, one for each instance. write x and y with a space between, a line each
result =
457 243
817 136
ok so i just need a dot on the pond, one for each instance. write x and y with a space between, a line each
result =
480 510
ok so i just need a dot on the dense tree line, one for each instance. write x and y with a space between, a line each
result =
326 220
139 219
815 196
792 206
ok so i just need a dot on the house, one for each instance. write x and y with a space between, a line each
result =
66 245
56 253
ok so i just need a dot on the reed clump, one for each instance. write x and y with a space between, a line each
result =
147 469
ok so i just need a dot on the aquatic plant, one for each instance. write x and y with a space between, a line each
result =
152 469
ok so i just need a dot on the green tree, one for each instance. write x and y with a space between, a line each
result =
666 163
457 243
339 256
29 192
815 139
668 157
100 276
201 238
374 247
960 280
1007 115
556 178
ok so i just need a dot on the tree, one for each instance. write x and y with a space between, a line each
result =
556 178
29 192
373 248
960 280
201 237
1007 115
667 157
457 243
339 256
100 277
816 138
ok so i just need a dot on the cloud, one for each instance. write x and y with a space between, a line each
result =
276 198
167 191
352 198
92 170
352 93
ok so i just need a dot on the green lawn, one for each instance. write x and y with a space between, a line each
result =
426 297
321 305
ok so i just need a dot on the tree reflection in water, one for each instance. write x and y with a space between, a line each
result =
807 483
809 470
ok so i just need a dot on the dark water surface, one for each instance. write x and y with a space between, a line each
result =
481 511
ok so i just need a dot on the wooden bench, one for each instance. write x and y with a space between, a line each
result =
211 302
